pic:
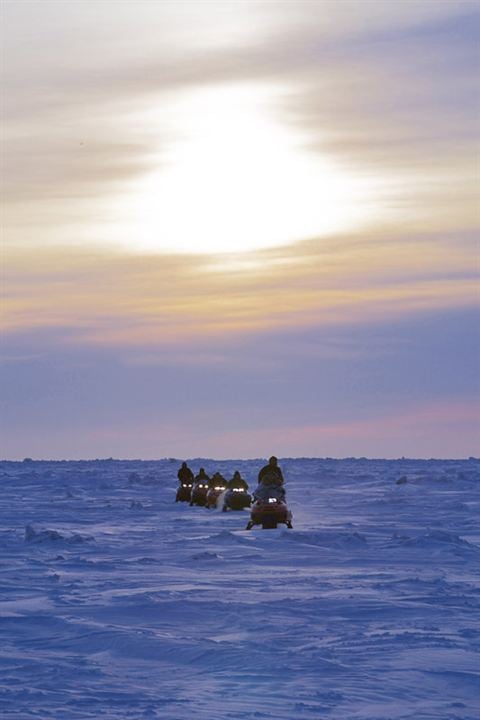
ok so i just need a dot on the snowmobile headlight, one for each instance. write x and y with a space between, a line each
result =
272 500
237 489
217 487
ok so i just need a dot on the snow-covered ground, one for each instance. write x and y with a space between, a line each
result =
119 603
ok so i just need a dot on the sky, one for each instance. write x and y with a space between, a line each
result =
240 228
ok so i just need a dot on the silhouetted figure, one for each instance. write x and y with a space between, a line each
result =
271 474
217 480
237 482
200 488
202 477
270 482
185 475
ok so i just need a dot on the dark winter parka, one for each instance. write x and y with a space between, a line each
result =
185 475
270 474
237 482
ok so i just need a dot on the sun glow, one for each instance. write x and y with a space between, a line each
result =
229 177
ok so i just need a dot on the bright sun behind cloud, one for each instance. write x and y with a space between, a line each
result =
227 177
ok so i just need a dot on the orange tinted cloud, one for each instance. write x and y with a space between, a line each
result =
119 299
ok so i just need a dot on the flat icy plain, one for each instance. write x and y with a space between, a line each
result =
118 603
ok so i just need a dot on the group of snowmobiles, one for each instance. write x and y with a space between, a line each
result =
267 503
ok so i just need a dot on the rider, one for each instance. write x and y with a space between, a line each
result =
271 474
185 475
217 480
270 481
237 482
202 477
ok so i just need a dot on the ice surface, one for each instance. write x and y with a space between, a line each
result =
116 602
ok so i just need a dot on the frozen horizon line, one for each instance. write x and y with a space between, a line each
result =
28 460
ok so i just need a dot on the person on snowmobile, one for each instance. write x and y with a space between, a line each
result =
271 474
270 482
217 480
237 482
202 477
185 475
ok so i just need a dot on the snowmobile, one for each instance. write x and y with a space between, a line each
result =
199 493
213 494
184 492
236 499
270 508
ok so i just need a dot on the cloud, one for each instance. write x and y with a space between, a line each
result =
101 298
387 90
369 389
